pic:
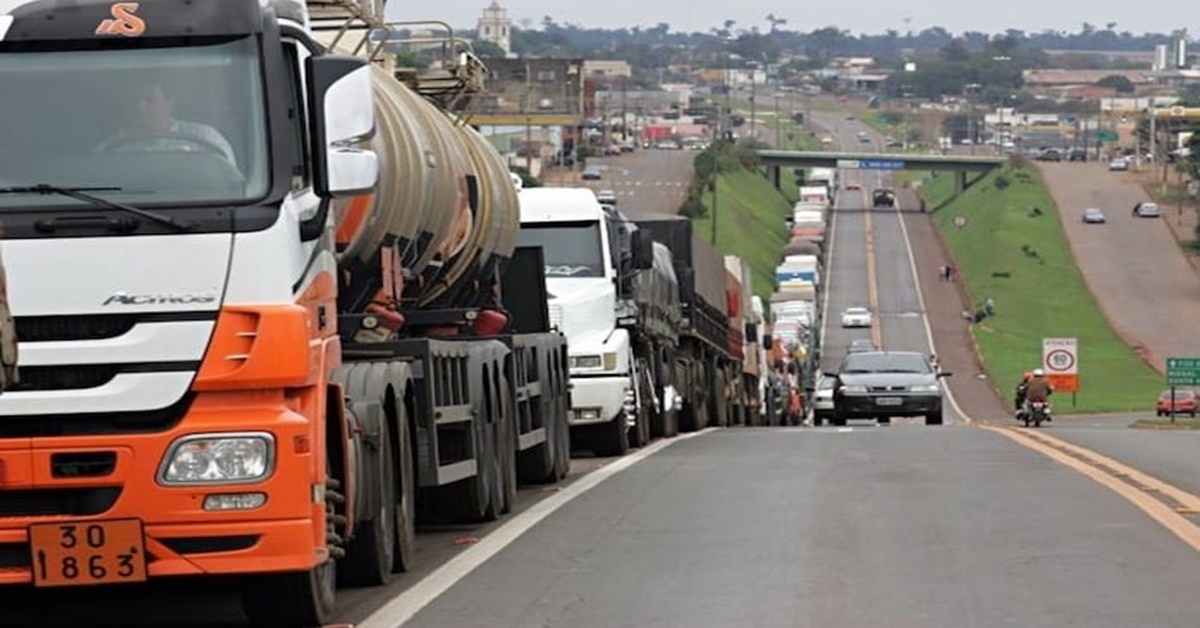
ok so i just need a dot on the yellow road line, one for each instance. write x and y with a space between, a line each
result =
1139 491
872 279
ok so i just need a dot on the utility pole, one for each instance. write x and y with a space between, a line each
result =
753 85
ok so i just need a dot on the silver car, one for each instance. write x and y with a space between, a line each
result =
822 403
1093 216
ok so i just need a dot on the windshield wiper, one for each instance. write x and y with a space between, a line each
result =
80 194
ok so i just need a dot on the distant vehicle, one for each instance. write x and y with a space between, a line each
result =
850 118
883 384
827 140
860 345
884 197
1050 154
607 197
1077 154
823 401
856 317
592 173
1120 164
1147 210
892 142
1093 216
1185 403
853 185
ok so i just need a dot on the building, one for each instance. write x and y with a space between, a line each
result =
495 27
593 68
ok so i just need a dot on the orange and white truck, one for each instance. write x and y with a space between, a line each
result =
268 300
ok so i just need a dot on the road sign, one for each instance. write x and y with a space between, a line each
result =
1183 371
877 164
1106 136
1060 360
848 163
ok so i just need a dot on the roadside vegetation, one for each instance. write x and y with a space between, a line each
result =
1012 249
750 214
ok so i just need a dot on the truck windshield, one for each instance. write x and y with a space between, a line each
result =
178 125
570 249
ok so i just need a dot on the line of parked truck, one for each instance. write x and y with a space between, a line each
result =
795 316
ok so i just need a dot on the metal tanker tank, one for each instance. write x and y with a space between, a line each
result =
445 202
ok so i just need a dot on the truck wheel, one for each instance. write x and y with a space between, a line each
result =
371 553
299 598
818 419
934 419
613 439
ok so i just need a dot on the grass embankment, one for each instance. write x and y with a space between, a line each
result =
750 216
1021 259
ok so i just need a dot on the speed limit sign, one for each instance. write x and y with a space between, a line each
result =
1060 360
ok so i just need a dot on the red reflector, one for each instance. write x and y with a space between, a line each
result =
302 445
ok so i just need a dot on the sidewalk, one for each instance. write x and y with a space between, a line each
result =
975 394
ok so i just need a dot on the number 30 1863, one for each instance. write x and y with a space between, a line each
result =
100 552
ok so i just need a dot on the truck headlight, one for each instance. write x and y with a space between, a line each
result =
219 459
924 388
585 361
854 388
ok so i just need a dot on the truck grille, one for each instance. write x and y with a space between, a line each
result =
62 502
94 326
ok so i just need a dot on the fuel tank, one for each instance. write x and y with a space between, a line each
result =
445 209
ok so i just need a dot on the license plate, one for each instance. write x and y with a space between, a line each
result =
888 401
87 553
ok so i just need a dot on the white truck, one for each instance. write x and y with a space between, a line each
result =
613 292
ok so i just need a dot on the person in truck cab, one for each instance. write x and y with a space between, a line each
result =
152 126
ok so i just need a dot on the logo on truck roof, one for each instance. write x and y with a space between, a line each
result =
123 21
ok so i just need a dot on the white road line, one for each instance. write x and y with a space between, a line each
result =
912 264
406 605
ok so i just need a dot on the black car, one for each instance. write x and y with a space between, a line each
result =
884 197
884 384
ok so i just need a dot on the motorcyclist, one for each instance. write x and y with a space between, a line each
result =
1038 389
1019 399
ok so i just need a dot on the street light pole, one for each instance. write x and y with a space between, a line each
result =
753 85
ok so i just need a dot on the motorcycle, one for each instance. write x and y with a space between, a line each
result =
1036 413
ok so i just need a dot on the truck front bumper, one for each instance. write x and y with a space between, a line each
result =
599 399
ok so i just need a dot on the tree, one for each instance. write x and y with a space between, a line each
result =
1120 83
487 50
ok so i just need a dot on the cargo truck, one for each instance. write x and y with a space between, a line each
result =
271 324
613 292
705 367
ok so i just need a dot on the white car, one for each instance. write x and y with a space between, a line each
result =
607 197
822 403
856 317
1147 210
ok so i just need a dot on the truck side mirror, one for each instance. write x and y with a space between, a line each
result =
643 250
341 116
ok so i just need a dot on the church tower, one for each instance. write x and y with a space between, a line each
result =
495 27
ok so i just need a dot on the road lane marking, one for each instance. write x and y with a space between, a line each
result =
912 266
1136 487
872 278
405 606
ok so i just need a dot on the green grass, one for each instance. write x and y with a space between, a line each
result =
750 224
1043 296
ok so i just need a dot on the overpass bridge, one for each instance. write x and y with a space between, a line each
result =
960 165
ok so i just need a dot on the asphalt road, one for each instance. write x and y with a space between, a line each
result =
881 280
646 180
776 527
1133 266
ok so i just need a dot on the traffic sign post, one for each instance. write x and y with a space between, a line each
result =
1060 360
1181 372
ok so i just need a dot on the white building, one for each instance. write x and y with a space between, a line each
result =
495 27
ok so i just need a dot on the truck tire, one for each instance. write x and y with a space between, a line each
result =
371 554
639 434
935 418
612 438
298 598
504 489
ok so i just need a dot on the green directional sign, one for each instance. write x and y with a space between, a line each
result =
1106 136
1183 371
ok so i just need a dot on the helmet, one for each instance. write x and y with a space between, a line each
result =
1038 372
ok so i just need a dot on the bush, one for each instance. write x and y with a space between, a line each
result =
693 207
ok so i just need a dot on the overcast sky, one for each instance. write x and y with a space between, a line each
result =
858 16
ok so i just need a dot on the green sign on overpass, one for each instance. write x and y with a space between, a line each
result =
911 161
